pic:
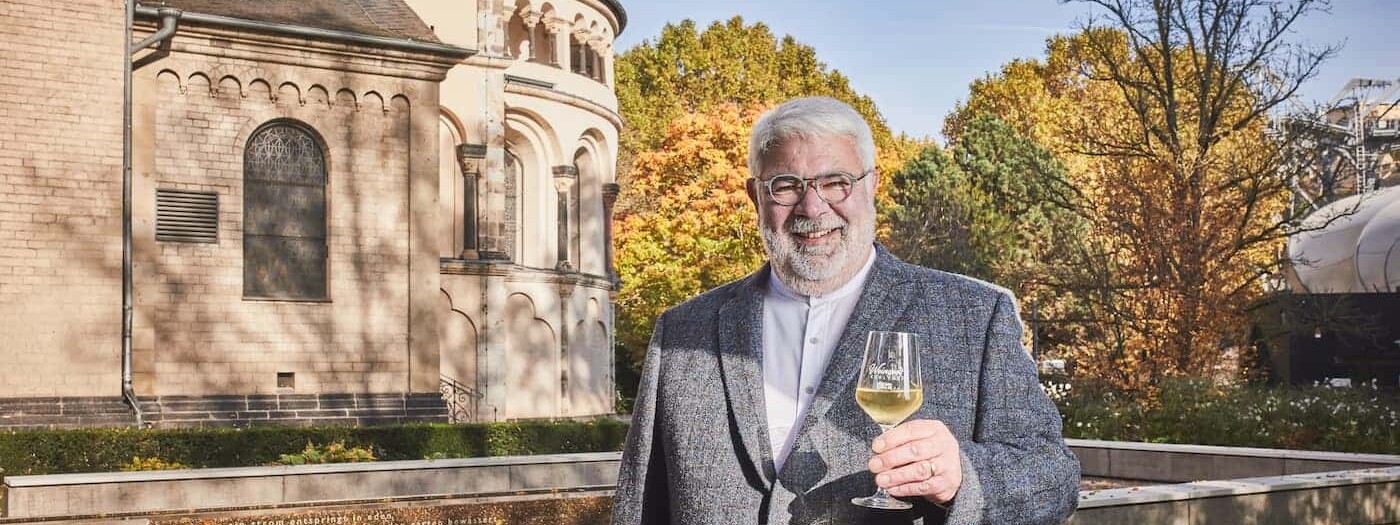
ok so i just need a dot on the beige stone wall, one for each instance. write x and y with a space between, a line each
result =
550 351
197 334
60 197
531 338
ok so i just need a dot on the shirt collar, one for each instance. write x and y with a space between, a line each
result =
857 282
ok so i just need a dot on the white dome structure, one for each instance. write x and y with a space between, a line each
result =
1358 252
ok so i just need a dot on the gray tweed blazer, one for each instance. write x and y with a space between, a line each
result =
698 449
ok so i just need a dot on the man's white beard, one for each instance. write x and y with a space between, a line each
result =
812 270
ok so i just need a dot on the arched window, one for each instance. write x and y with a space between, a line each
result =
600 68
577 58
512 229
583 166
284 213
517 38
542 45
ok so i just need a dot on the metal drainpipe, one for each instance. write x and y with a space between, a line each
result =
169 22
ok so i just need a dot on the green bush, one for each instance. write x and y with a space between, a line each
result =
140 463
1360 419
105 450
333 453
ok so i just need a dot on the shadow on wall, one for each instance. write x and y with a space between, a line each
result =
458 340
206 337
532 369
589 381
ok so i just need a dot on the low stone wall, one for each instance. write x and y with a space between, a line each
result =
1169 463
1353 497
221 489
1269 487
223 411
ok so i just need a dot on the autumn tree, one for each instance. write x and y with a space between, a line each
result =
689 98
687 71
997 206
697 230
1160 109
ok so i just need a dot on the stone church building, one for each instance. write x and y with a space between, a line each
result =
341 211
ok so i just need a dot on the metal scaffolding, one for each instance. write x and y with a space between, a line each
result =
1354 137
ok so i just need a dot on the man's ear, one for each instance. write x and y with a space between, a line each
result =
751 188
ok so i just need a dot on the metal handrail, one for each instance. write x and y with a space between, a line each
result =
461 399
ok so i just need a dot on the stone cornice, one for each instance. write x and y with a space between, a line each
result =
612 10
315 33
524 274
567 99
211 40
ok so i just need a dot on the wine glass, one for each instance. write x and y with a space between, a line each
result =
889 391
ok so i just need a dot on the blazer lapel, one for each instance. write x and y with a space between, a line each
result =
741 367
879 307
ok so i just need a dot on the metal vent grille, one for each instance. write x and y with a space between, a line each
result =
187 216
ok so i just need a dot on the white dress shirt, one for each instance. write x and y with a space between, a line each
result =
799 335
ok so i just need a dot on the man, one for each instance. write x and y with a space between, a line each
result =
746 411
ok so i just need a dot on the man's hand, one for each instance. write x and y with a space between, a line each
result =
918 458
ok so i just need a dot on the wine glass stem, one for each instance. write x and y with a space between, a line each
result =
880 493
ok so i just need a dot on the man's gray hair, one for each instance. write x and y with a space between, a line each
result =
810 117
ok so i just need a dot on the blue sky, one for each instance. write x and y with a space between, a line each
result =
916 58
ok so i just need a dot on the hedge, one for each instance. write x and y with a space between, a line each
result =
1361 419
104 450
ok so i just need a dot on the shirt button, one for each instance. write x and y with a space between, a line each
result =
812 340
810 390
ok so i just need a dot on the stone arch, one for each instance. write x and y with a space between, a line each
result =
588 237
318 96
590 362
372 101
454 210
400 104
594 139
199 83
259 90
532 362
289 93
458 338
535 146
513 223
517 36
580 52
542 38
454 122
230 86
537 128
345 99
168 77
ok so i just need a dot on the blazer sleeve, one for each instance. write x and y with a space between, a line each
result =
642 495
1016 469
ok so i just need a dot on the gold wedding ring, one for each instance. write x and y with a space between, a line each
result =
932 471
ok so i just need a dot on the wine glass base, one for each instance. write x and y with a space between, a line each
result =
882 503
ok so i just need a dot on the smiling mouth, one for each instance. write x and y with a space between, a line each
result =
816 235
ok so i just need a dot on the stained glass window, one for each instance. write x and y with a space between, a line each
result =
284 214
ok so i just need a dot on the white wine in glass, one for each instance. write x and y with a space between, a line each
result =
889 390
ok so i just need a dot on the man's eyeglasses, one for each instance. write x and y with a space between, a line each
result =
787 189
